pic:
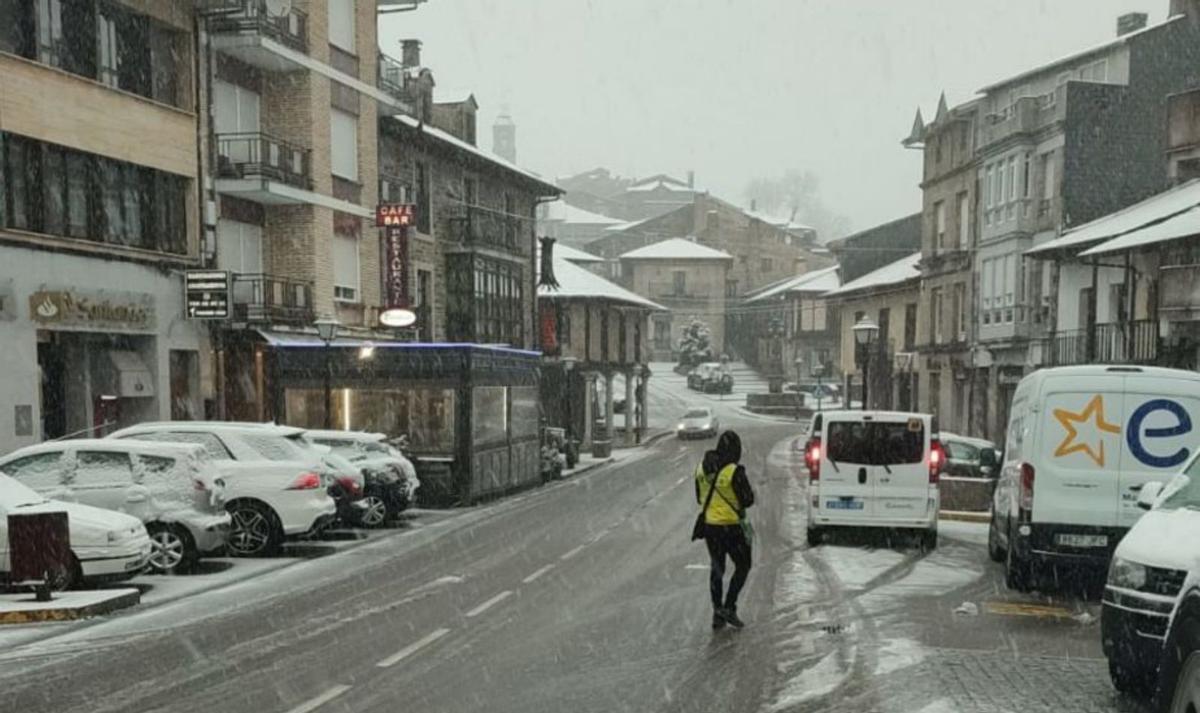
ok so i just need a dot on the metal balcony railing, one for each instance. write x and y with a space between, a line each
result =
391 76
482 227
272 299
251 17
1133 342
258 155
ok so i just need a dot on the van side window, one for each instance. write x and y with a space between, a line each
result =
1015 436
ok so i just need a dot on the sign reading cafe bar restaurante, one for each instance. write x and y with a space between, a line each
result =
395 219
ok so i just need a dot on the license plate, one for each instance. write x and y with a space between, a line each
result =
843 505
1082 540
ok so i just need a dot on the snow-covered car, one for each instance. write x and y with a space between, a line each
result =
714 378
105 545
173 488
391 479
698 423
274 488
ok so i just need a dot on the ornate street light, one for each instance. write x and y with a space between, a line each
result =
865 333
327 330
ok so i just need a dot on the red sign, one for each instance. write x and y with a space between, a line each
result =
398 215
549 329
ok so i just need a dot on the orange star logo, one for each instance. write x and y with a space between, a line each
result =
1094 409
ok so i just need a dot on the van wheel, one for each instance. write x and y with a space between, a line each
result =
815 536
1179 670
1018 573
1131 680
995 552
929 540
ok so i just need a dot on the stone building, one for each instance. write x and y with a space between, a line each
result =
799 336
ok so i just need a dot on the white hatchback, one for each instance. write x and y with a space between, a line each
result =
876 469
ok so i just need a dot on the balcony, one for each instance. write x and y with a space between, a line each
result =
391 76
257 166
1023 117
1133 342
244 29
479 227
267 299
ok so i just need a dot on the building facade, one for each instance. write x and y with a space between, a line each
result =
99 214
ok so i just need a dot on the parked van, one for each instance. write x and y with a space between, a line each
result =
1081 443
873 469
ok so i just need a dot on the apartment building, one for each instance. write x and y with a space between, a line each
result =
99 213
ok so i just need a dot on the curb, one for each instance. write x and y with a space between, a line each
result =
70 613
964 516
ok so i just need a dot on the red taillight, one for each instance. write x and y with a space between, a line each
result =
1027 475
937 459
350 485
812 458
306 481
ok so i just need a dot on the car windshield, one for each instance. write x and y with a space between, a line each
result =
14 495
916 280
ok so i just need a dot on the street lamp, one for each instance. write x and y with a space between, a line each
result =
865 332
327 329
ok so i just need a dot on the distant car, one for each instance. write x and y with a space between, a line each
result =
173 488
105 545
966 457
695 379
274 488
698 423
391 479
826 392
715 378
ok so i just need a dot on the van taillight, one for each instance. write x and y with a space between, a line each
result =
1026 499
306 481
812 458
937 459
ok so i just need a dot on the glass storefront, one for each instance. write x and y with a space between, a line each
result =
489 414
426 415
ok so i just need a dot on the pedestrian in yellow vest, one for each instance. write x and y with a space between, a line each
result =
724 493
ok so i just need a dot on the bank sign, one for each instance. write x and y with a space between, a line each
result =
93 310
1157 432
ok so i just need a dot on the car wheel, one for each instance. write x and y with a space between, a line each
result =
1018 573
994 550
1131 680
1179 670
815 536
65 575
254 531
171 548
375 511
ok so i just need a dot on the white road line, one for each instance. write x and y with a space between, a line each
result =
413 648
315 703
696 566
450 579
571 553
681 479
533 577
490 603
599 536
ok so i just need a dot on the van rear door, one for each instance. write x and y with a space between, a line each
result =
846 483
1162 415
902 443
1079 456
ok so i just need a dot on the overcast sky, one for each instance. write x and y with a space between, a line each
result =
735 89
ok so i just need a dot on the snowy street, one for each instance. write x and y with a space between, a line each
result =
587 596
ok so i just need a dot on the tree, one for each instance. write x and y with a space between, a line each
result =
797 194
695 345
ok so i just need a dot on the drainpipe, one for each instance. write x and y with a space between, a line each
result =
1091 327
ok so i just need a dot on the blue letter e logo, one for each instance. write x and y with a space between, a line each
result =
1133 433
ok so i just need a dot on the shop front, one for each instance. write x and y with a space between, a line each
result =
471 413
93 345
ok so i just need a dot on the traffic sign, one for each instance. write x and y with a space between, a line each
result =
207 294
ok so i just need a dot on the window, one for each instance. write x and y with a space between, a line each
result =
239 247
960 315
935 316
679 282
156 470
1095 72
343 129
1027 188
510 220
341 24
98 469
1012 178
345 262
212 443
237 110
875 443
985 287
1048 187
124 46
42 471
489 414
17 28
424 206
939 212
273 447
964 220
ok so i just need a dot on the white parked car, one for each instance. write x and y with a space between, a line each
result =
273 488
698 423
173 488
873 469
105 545
1082 442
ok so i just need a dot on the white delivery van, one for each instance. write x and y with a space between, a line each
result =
873 469
1081 443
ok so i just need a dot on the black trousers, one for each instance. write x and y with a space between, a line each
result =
728 540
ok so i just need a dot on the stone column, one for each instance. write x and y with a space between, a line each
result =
643 422
630 409
589 393
608 403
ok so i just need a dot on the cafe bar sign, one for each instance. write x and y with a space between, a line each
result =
98 310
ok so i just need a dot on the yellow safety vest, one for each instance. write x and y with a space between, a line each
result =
720 511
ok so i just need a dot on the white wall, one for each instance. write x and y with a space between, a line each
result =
1072 278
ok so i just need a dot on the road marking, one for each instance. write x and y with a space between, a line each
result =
681 479
1021 609
320 700
450 579
413 648
490 603
598 536
533 577
571 553
696 566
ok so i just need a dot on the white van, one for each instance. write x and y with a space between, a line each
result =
1081 443
873 469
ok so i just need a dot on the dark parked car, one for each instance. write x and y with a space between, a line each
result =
965 456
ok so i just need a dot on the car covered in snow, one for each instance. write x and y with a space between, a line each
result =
390 479
105 545
274 488
698 423
173 488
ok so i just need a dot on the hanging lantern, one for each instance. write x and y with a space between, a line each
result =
546 274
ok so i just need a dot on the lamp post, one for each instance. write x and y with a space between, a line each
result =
799 364
327 329
865 332
818 371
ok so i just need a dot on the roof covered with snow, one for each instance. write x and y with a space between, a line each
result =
567 213
786 223
576 282
1152 211
676 249
818 281
437 134
1181 225
631 224
661 181
894 273
452 95
575 255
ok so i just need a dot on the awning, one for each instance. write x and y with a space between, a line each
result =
1180 226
